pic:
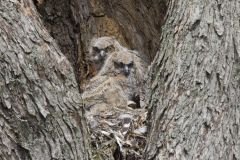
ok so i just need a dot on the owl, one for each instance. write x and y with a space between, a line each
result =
100 49
120 76
111 95
126 63
106 90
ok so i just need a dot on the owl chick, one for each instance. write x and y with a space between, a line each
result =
100 49
131 68
116 85
126 63
109 91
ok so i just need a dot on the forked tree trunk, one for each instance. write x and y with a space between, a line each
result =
40 105
194 101
195 94
136 24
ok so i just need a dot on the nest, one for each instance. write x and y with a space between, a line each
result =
118 133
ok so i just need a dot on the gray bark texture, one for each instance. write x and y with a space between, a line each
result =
40 105
195 95
73 23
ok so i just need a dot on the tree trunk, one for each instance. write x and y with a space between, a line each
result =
195 94
40 106
73 23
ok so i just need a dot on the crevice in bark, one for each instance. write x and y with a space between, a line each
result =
23 153
37 91
58 18
136 24
204 113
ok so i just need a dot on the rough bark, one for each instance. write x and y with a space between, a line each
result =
194 95
135 24
195 90
140 23
40 105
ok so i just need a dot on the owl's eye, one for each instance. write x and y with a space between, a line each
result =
109 48
118 64
121 64
130 64
96 49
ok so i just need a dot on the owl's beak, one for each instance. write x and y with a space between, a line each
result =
126 70
102 53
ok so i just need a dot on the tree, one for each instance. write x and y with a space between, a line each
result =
40 106
194 89
194 101
73 23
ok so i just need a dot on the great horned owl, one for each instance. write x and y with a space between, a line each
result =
118 82
129 64
100 49
124 71
125 62
106 90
